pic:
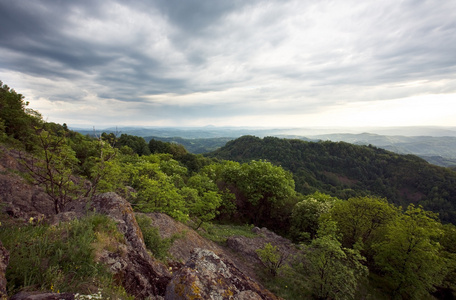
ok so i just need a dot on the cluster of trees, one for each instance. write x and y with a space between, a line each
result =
408 252
345 170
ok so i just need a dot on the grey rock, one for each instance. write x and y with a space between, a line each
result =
207 276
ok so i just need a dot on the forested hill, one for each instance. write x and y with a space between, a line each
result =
345 170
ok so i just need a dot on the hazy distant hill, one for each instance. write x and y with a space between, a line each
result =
195 146
345 170
436 145
437 150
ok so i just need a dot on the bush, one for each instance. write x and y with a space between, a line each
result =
271 258
58 258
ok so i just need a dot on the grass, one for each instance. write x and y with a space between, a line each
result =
60 258
220 233
288 284
154 243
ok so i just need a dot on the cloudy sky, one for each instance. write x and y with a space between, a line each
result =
271 63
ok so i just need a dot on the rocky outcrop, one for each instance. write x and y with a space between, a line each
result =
140 274
22 201
4 258
182 248
207 276
247 246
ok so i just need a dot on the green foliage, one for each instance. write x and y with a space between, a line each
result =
220 233
362 219
345 170
289 284
59 258
138 144
409 257
264 193
17 120
157 245
409 253
335 272
271 258
448 243
54 167
202 198
306 213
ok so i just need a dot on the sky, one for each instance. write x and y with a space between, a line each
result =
261 63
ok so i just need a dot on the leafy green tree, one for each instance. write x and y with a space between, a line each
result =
306 213
360 219
205 208
409 257
205 199
110 138
271 258
3 135
18 120
138 144
160 195
156 146
264 193
335 272
101 169
54 167
155 190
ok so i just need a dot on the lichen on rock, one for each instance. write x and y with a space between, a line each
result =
207 276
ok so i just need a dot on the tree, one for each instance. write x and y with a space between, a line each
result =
306 213
156 146
156 191
206 199
359 219
264 193
138 144
53 168
335 272
408 256
18 120
271 258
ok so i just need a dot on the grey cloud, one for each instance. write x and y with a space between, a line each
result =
212 46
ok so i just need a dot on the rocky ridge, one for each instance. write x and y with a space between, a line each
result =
132 265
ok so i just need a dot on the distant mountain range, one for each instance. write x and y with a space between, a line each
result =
437 145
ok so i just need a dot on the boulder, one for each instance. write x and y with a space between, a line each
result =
208 276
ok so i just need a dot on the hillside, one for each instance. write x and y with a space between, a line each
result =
345 170
439 150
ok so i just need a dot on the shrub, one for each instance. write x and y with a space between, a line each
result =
271 258
57 258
